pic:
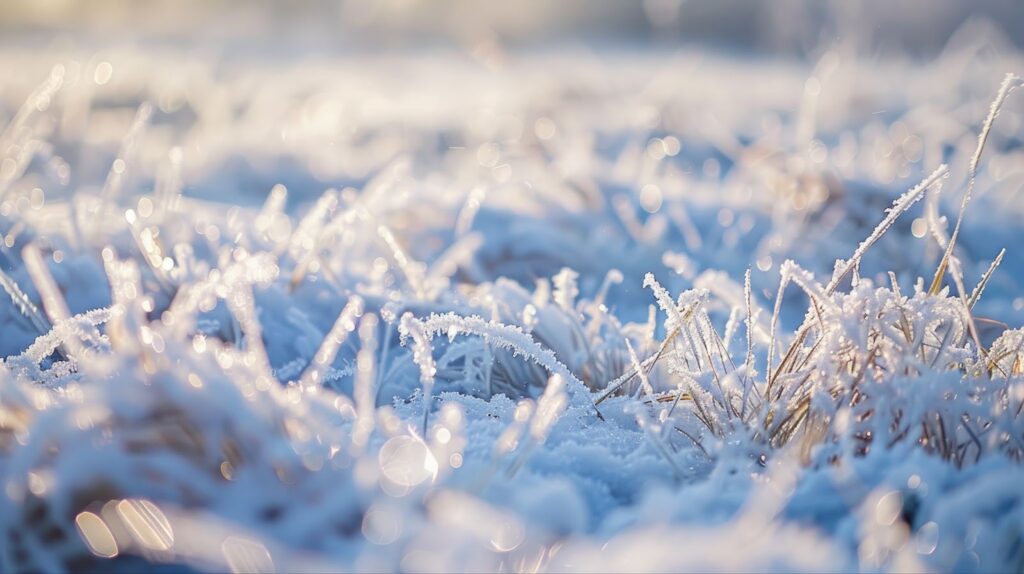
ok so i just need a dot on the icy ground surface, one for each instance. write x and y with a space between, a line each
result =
233 281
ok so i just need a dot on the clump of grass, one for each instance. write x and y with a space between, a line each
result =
868 368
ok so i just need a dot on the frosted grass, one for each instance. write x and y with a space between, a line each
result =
299 319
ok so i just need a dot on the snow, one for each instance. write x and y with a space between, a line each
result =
422 312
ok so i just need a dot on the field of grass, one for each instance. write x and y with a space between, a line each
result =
539 310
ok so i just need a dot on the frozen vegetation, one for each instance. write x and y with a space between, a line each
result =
558 311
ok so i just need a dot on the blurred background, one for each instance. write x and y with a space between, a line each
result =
784 27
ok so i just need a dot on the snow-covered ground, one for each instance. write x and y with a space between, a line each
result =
234 280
